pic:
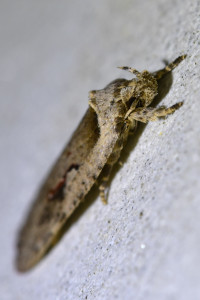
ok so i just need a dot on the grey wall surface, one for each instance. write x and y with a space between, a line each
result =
145 244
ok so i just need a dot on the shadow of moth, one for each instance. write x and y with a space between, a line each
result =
94 146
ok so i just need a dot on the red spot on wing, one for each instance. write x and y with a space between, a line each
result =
57 193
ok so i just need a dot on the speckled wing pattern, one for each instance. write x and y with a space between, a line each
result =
66 186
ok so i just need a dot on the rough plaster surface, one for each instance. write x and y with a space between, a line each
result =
145 244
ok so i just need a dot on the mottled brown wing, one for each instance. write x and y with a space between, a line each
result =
69 181
47 214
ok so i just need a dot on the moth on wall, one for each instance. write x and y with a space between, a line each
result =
95 146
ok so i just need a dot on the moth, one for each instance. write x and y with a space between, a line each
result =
94 147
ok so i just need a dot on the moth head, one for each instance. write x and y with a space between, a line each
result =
146 87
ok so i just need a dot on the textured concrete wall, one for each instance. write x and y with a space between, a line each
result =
145 244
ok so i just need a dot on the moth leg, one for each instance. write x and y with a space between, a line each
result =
159 74
104 182
152 114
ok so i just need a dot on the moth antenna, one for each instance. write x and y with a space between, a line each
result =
129 69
